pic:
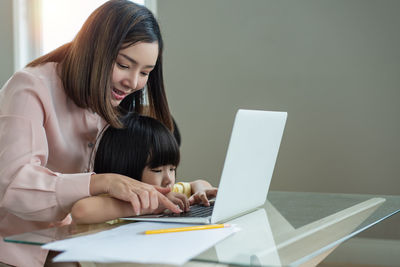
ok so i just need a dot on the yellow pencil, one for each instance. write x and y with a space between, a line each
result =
189 228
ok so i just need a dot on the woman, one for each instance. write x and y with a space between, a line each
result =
52 112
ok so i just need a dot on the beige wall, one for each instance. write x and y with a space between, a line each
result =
6 43
333 65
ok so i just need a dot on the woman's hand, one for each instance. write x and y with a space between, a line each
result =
143 197
202 191
179 199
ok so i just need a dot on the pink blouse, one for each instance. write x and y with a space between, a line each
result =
45 146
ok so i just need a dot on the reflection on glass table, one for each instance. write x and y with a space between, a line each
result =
291 229
272 241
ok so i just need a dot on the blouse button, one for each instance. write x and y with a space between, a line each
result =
90 145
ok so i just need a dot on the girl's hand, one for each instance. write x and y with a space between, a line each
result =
143 197
179 199
202 191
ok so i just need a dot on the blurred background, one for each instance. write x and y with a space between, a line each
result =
334 66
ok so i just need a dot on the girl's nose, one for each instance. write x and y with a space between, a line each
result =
167 179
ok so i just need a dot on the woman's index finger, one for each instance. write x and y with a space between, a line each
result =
168 204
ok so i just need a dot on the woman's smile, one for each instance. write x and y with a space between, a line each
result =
118 94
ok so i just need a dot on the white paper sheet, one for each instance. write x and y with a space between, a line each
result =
127 243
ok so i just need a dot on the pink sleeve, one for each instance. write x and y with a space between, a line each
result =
27 188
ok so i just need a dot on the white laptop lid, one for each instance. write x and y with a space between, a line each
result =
248 167
249 162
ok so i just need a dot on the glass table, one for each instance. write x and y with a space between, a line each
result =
290 229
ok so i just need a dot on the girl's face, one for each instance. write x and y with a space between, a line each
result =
131 69
163 176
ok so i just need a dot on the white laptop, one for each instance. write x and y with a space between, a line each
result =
247 172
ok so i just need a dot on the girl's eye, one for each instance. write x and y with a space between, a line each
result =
172 169
122 66
155 170
145 73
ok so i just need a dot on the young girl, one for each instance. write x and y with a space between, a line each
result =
145 150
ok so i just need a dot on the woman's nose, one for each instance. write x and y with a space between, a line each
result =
131 82
134 81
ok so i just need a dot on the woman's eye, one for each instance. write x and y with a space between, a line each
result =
145 73
172 169
122 66
155 170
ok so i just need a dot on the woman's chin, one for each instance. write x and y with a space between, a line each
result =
115 102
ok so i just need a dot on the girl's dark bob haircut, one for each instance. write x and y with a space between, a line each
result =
142 142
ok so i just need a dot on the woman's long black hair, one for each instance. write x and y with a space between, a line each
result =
142 142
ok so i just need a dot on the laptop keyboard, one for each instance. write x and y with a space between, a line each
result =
196 211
